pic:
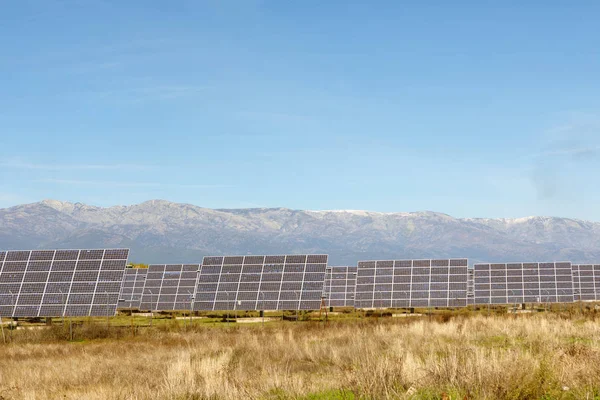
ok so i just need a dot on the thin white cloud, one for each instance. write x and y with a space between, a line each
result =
129 184
16 164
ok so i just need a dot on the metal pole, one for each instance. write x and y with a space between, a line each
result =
263 308
228 305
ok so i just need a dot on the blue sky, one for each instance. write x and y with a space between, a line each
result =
475 109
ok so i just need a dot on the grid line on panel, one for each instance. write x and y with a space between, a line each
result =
576 282
21 286
107 305
328 284
46 284
596 268
178 285
299 300
162 280
96 284
521 284
540 299
197 281
193 292
143 296
346 286
412 274
219 284
121 291
595 282
393 282
280 282
2 261
579 283
429 284
506 282
374 284
262 270
237 289
71 284
555 281
155 290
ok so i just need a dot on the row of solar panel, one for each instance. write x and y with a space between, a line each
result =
281 282
90 282
391 284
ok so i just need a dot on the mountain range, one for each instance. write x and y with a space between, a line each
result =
159 231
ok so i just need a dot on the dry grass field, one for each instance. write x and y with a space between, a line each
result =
536 356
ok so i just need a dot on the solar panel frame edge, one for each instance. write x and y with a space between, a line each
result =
347 301
42 305
412 262
284 261
594 278
523 263
149 298
132 304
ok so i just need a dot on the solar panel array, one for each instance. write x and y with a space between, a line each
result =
132 288
523 283
286 282
169 287
586 282
55 283
340 285
411 283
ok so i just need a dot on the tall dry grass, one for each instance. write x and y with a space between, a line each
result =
497 357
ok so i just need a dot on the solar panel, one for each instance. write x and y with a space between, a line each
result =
286 282
132 288
55 283
340 284
411 283
169 287
523 283
586 282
